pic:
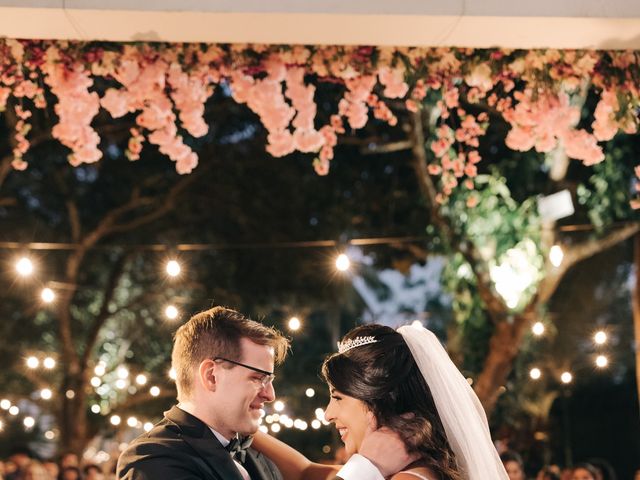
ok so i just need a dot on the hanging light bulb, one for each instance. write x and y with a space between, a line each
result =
538 329
600 337
342 262
47 295
24 267
173 268
556 255
602 361
171 312
535 373
566 377
294 324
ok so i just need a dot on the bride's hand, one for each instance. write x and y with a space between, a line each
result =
385 449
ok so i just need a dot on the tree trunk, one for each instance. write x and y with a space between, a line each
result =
504 347
636 310
73 414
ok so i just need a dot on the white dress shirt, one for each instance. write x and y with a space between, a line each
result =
359 468
224 441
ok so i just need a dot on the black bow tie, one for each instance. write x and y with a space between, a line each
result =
238 447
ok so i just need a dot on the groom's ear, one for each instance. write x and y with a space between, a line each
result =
207 375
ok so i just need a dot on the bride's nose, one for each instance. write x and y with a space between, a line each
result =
329 415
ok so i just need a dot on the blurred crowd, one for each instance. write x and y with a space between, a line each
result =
594 469
22 464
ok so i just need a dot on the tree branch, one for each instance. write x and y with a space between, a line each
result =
102 316
578 253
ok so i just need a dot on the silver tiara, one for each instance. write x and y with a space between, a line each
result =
355 342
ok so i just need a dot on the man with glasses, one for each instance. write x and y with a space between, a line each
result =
224 367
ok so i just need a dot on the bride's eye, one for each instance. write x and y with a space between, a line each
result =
336 397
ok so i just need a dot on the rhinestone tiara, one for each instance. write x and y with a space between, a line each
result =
355 342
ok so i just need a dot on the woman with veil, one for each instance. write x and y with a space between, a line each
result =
403 381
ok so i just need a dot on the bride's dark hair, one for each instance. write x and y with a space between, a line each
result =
386 378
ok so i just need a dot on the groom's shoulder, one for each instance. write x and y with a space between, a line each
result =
268 464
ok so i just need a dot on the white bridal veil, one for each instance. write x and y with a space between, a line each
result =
462 415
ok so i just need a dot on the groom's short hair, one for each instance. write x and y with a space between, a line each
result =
217 333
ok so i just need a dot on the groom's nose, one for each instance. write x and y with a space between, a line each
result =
268 393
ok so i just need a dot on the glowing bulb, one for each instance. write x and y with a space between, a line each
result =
46 394
566 377
262 428
24 267
100 369
5 404
275 428
29 422
556 255
154 391
96 382
132 421
95 408
148 426
310 392
33 362
47 295
49 363
278 406
173 374
538 329
535 373
115 420
70 394
173 268
171 312
600 337
121 384
14 410
343 263
294 324
141 379
319 414
602 361
122 372
316 424
49 435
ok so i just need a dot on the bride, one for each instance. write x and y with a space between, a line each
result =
405 382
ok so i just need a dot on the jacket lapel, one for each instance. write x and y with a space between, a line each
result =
200 437
256 467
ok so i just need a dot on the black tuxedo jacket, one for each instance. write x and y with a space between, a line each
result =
181 447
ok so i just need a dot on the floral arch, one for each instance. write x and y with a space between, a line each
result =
166 86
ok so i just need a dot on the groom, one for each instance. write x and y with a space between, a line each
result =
224 373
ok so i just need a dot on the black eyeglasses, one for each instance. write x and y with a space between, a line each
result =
266 379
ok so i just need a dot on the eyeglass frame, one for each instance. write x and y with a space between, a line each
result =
268 378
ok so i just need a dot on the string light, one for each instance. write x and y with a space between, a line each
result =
49 435
154 391
538 329
96 382
342 262
121 384
47 295
100 369
566 377
14 410
5 404
172 373
275 428
278 406
95 408
173 268
141 379
148 426
171 312
602 361
535 373
132 421
122 372
600 337
310 392
556 255
46 394
294 324
316 424
33 362
49 363
115 420
24 267
70 394
29 422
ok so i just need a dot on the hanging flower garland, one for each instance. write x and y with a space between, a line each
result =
167 85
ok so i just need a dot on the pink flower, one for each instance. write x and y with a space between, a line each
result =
280 143
451 97
115 102
308 140
393 80
321 166
583 146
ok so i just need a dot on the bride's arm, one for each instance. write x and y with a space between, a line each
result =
291 463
